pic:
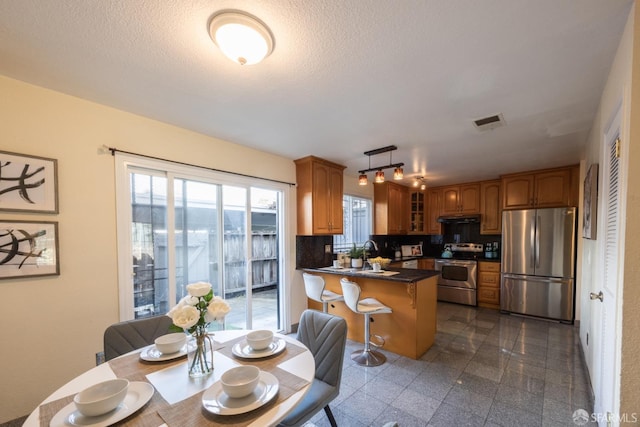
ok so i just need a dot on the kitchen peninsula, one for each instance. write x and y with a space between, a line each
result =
412 295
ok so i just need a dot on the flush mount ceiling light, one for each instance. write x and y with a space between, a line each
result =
398 172
241 37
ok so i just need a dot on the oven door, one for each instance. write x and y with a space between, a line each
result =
456 273
457 281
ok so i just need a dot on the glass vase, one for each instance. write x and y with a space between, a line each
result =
200 353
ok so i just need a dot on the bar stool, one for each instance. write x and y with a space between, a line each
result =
314 286
367 306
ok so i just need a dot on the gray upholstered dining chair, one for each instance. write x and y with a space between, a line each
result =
325 335
123 337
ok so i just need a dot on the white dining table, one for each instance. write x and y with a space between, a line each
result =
174 384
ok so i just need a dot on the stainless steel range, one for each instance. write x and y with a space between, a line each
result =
457 281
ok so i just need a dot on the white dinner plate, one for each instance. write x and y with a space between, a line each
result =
152 354
216 401
138 394
242 349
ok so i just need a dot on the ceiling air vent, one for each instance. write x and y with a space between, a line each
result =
490 122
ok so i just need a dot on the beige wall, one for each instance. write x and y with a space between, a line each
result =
52 326
619 89
630 367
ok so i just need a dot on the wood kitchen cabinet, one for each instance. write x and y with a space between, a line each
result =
490 207
427 264
489 284
417 211
547 188
390 202
434 202
319 196
461 199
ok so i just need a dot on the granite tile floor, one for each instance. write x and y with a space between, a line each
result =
485 369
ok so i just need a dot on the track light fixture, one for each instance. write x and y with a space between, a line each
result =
420 182
398 172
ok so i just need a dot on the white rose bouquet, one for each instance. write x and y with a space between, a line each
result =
193 314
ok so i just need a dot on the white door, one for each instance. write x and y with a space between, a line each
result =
607 346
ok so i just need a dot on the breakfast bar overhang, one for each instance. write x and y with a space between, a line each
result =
412 295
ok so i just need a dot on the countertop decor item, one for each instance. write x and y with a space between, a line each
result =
384 262
193 314
356 255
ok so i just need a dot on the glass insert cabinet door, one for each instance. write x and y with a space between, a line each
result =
205 231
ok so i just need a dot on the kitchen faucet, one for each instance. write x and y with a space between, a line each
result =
364 251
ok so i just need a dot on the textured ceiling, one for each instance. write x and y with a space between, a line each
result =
346 76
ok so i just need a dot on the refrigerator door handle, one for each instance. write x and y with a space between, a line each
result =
535 278
532 234
538 225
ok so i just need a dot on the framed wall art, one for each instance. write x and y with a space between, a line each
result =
28 183
590 206
28 249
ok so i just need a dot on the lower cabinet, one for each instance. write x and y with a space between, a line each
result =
426 264
489 284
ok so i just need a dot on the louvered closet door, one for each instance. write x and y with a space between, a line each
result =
607 389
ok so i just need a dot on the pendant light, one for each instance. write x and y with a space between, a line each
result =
398 172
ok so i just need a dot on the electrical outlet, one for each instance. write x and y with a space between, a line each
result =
100 358
327 249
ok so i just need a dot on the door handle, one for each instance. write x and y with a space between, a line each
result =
538 225
599 296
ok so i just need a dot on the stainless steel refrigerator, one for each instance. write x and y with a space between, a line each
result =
538 262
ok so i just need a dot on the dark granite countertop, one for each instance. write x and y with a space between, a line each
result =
405 275
409 258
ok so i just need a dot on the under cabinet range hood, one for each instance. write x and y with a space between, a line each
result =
459 219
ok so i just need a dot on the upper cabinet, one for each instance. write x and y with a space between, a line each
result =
390 208
417 211
434 203
490 207
460 199
319 196
540 189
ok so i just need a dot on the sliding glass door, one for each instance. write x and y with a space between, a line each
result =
187 229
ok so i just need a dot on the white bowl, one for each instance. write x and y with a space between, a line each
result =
170 343
259 340
240 381
102 397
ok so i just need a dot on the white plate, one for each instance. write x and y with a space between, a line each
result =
138 394
152 354
216 401
242 349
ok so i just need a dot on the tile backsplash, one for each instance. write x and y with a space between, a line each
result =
310 250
